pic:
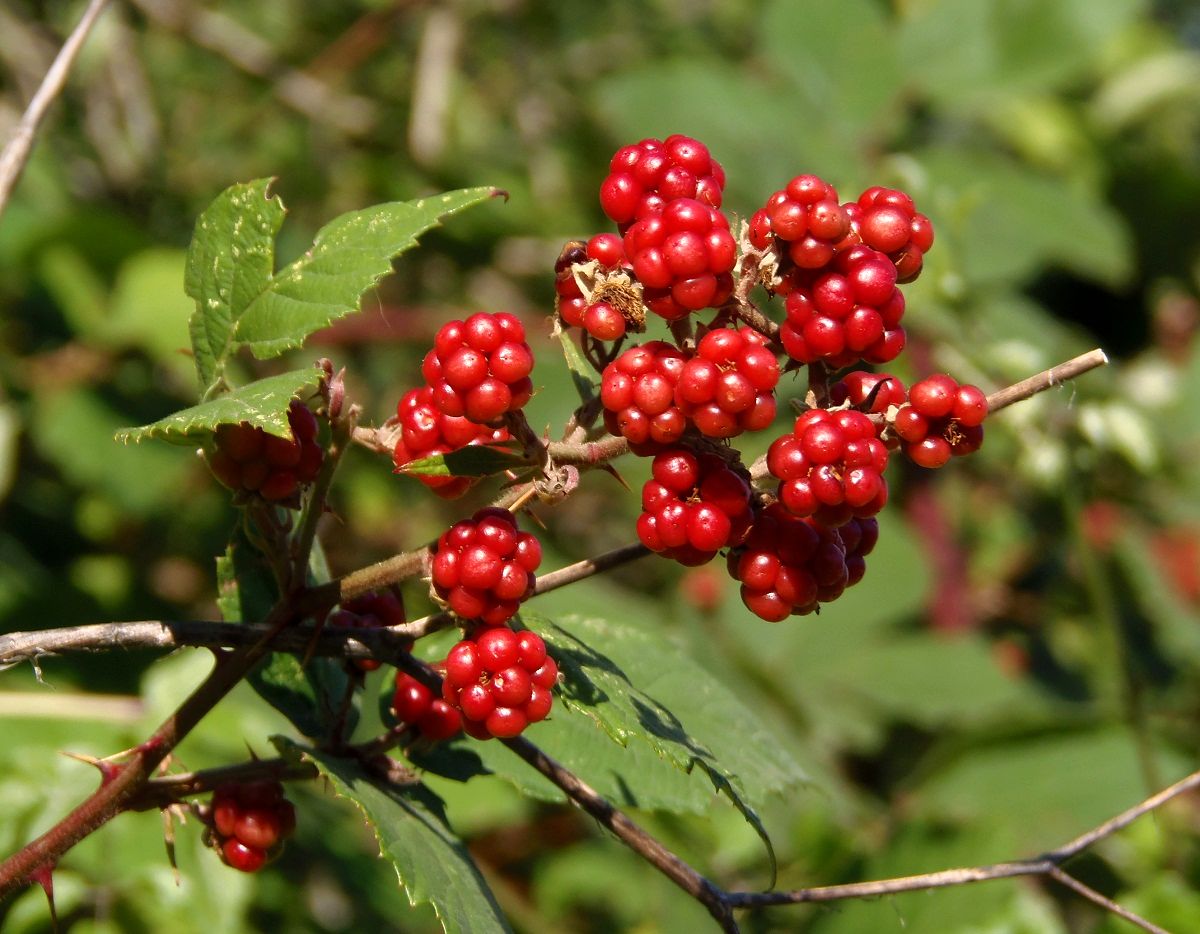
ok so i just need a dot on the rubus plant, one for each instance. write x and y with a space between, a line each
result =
795 526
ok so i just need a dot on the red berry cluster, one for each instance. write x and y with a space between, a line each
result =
693 506
431 717
683 256
886 220
790 565
483 567
941 420
839 267
249 822
369 611
729 385
613 306
645 176
830 467
425 431
479 368
499 681
637 391
676 253
248 460
804 219
849 311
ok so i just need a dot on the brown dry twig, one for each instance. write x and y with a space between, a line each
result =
18 149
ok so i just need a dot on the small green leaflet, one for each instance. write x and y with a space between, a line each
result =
582 374
263 403
409 821
349 255
229 262
475 460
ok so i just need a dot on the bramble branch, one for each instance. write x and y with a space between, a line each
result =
16 153
386 645
1047 379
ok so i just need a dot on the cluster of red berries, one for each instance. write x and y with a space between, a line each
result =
728 385
644 177
374 610
479 368
693 506
248 460
830 467
683 256
499 682
789 565
483 567
431 717
847 312
602 313
675 254
426 431
887 220
804 219
249 822
940 420
839 267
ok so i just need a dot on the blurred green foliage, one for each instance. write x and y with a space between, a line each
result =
1023 657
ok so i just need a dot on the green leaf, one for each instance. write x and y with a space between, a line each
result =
475 460
349 255
582 374
409 822
618 676
230 262
263 404
968 54
631 776
1010 224
73 430
1025 786
826 48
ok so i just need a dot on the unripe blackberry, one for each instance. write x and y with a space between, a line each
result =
804 221
426 431
728 386
637 391
500 682
683 256
248 460
646 176
479 368
830 467
941 420
693 506
788 565
483 567
886 220
249 823
414 704
881 389
846 313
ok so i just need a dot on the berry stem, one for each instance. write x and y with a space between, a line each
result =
628 832
314 508
1047 379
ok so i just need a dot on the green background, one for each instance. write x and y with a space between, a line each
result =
1023 657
